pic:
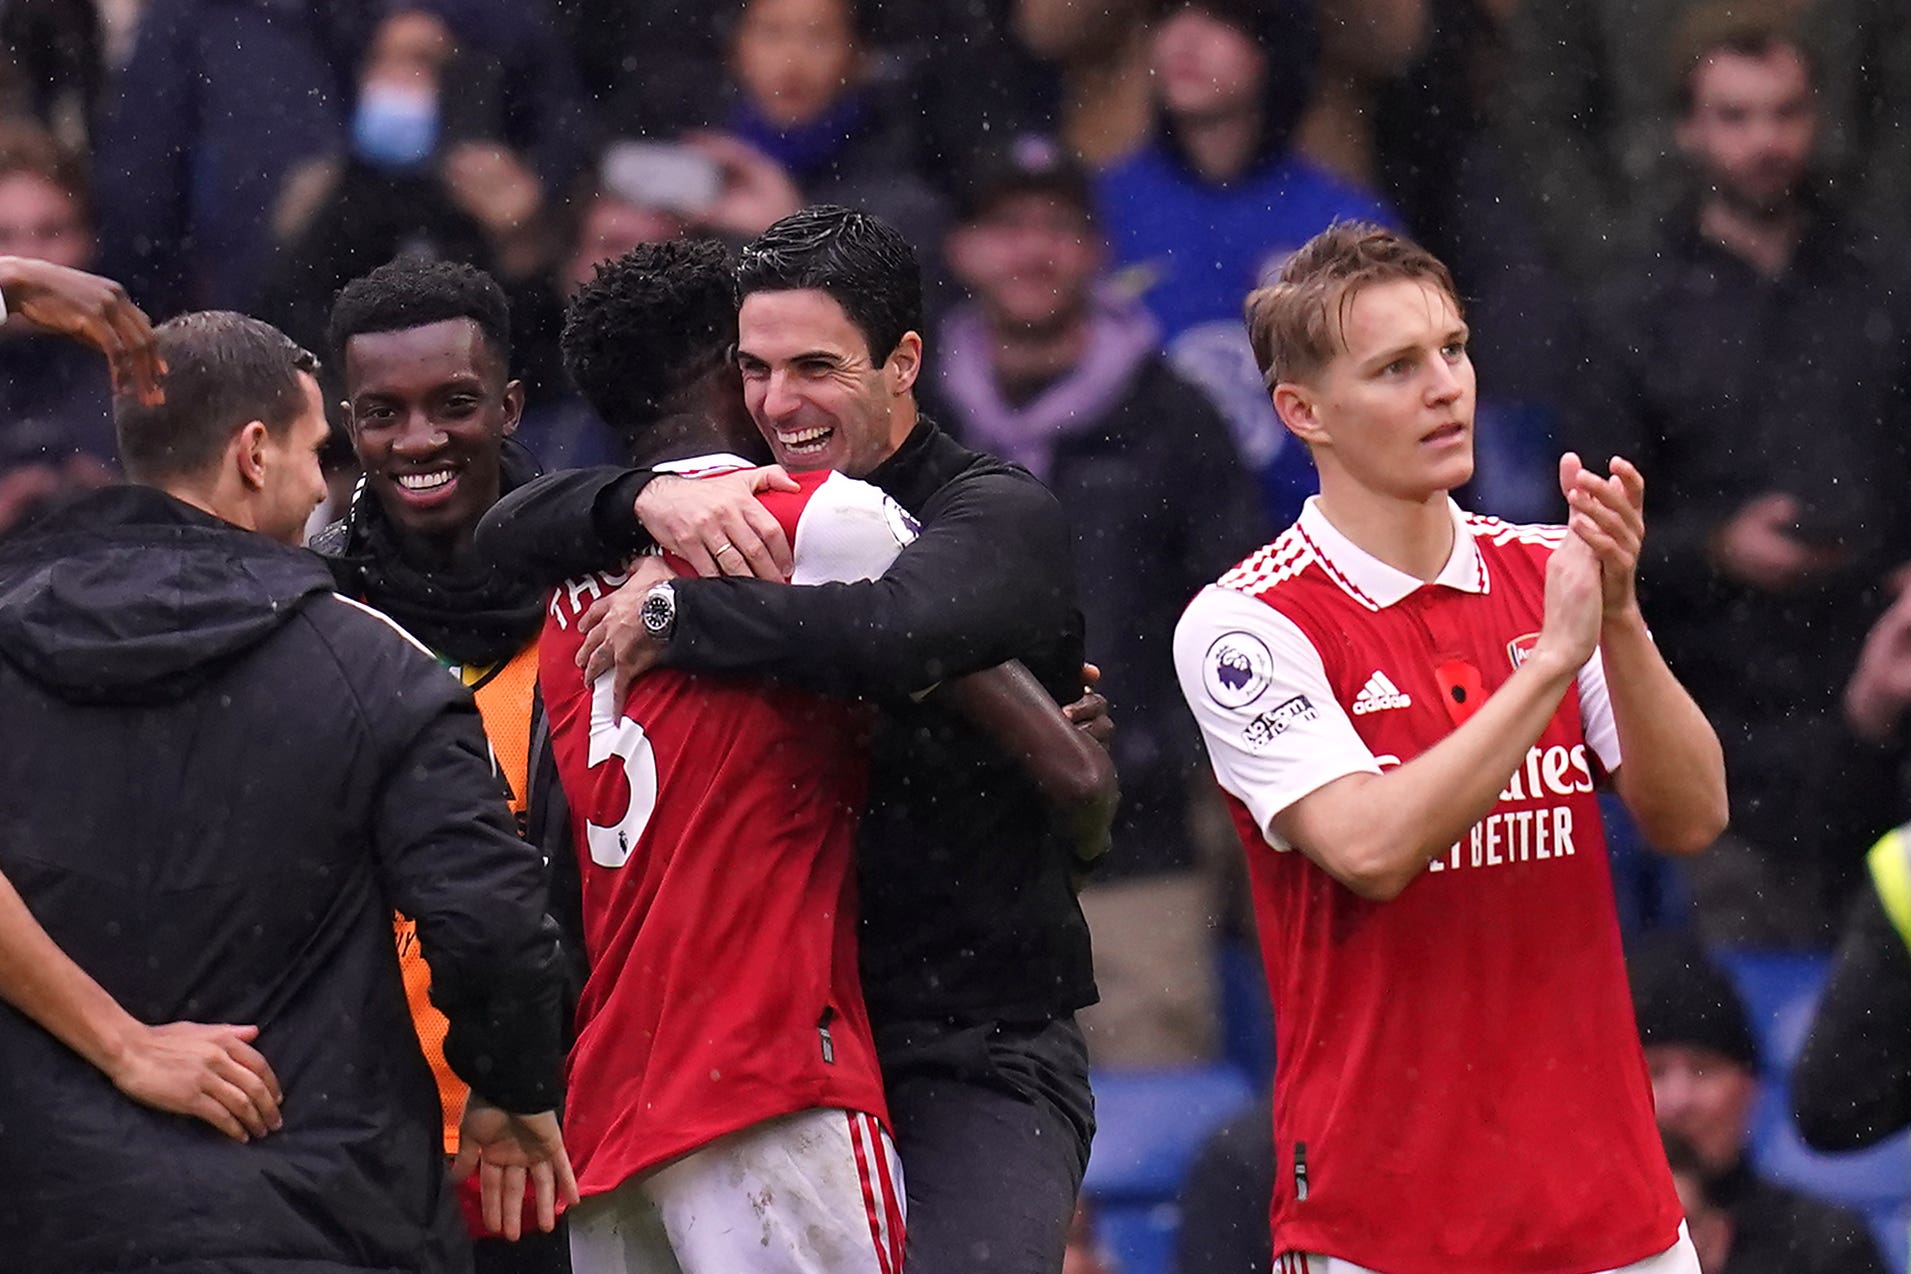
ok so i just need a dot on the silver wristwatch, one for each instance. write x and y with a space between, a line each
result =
659 611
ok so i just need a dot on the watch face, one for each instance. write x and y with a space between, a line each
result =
658 610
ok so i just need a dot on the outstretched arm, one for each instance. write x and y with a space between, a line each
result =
208 1072
91 310
450 858
1672 773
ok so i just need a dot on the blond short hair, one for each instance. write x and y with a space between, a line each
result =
1295 323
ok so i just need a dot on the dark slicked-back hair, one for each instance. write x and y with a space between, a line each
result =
409 293
223 371
861 261
650 324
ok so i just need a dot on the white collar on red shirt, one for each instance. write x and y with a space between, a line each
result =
1373 583
701 466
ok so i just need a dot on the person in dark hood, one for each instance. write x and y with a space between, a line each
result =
210 1072
431 406
1211 208
204 843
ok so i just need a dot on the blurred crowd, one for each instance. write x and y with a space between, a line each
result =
1680 227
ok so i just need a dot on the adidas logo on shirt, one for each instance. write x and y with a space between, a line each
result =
1378 695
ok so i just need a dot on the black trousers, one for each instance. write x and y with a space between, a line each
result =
993 1124
535 1253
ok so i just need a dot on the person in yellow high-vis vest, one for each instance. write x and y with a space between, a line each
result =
425 352
1852 1084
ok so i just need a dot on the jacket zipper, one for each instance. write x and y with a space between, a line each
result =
822 1030
1300 1171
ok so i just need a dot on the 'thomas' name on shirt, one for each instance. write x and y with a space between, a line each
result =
1459 1083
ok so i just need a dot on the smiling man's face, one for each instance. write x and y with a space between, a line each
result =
816 393
430 407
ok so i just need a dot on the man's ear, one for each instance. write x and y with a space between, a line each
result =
513 406
1295 404
247 453
904 364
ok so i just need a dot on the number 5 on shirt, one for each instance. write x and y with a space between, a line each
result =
615 735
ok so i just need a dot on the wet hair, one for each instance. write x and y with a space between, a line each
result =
860 260
1748 28
1295 323
223 371
649 325
408 293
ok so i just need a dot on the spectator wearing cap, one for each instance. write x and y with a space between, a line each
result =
1704 1064
1046 367
1211 207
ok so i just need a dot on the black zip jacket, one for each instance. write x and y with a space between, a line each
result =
219 781
968 914
471 615
1852 1084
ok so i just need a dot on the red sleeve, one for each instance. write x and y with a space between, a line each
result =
788 506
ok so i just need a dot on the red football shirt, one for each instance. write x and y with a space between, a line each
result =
715 820
1459 1083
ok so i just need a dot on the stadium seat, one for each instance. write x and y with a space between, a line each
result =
1247 1023
1781 990
1149 1126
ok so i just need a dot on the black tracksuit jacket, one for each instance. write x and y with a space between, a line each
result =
217 781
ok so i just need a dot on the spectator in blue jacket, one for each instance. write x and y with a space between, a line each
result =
1211 207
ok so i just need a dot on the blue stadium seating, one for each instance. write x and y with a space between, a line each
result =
1149 1126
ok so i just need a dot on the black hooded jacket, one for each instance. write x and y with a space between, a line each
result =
219 781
